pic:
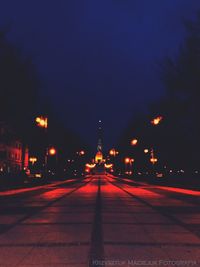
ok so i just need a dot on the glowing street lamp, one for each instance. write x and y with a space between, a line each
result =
134 142
153 160
146 151
82 152
42 122
33 160
52 151
127 160
113 152
156 120
128 165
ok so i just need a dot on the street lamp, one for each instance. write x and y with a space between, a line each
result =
52 151
33 160
156 120
127 160
153 160
134 142
146 151
42 122
80 153
113 152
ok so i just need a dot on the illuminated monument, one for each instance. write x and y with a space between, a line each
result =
99 155
99 165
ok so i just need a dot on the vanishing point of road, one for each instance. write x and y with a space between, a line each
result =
100 220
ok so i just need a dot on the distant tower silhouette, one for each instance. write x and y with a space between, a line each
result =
99 146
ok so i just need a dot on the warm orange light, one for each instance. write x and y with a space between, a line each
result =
52 151
108 166
90 166
32 160
99 157
127 160
134 142
157 120
132 160
154 160
146 151
38 119
42 122
113 152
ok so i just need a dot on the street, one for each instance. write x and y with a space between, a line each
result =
99 221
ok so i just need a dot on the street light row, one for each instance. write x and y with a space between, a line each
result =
42 122
134 142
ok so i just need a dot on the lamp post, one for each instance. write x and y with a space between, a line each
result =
52 152
113 153
131 165
33 160
42 122
80 161
127 162
155 122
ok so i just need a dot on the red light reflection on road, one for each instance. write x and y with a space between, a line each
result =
88 189
180 190
24 190
53 194
111 189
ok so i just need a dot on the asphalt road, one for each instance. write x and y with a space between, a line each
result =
99 221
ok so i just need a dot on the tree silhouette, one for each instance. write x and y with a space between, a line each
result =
182 105
18 85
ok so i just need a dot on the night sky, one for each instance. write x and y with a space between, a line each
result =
98 59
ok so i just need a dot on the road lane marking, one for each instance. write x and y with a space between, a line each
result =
97 249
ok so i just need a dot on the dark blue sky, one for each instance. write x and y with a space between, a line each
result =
98 59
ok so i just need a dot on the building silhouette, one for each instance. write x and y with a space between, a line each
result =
13 154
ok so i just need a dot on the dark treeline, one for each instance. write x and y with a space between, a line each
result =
21 102
177 139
